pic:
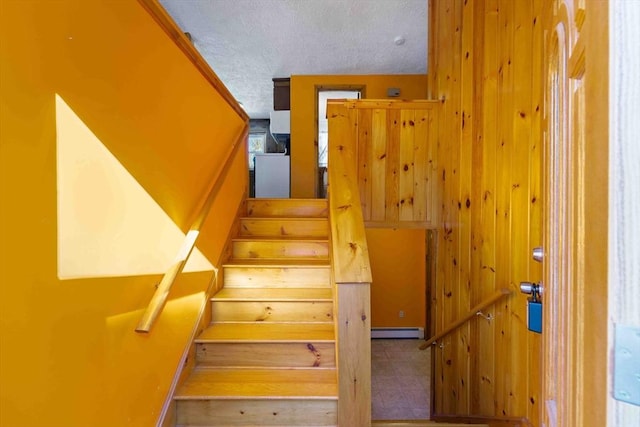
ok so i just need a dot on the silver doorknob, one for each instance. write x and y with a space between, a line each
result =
538 253
530 288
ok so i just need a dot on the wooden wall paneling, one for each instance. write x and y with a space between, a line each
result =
460 292
433 194
533 344
503 166
421 180
407 165
392 202
486 280
364 160
437 295
476 61
449 217
520 235
378 164
485 173
465 124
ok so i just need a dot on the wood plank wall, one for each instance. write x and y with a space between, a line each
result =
486 66
396 161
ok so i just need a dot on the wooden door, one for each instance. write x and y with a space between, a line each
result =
569 319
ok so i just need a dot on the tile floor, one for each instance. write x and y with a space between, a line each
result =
400 380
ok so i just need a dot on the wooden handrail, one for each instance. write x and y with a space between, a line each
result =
166 22
162 291
349 242
479 307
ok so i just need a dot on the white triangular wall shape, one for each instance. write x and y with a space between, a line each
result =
108 225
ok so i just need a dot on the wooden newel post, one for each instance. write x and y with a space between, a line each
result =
354 354
350 270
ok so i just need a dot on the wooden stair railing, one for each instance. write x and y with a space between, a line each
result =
473 312
351 272
162 291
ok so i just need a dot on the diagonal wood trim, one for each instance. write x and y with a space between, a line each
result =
162 291
164 20
472 313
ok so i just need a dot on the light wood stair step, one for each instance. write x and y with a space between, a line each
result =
287 208
267 345
284 227
280 384
268 332
280 248
293 273
273 294
272 305
272 311
257 412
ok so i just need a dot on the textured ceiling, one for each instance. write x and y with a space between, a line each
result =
248 42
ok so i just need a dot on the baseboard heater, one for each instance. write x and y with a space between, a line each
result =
397 333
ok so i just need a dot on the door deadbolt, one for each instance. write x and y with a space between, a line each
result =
538 253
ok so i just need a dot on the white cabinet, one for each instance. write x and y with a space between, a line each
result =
272 176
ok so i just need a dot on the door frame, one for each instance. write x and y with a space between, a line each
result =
574 351
327 88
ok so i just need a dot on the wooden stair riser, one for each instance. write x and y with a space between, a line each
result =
284 227
283 277
280 249
257 412
271 311
267 354
288 208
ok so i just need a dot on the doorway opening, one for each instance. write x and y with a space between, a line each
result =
323 94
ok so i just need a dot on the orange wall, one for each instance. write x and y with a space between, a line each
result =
69 353
303 116
398 267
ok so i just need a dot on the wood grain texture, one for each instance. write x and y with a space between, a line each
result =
243 274
394 147
350 256
259 383
486 57
255 412
354 354
272 333
283 227
351 271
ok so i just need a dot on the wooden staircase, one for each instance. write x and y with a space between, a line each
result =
269 358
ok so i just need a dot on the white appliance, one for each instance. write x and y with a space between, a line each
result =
272 175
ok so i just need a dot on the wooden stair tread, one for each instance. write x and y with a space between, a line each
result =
274 208
278 262
281 239
268 332
273 294
227 383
